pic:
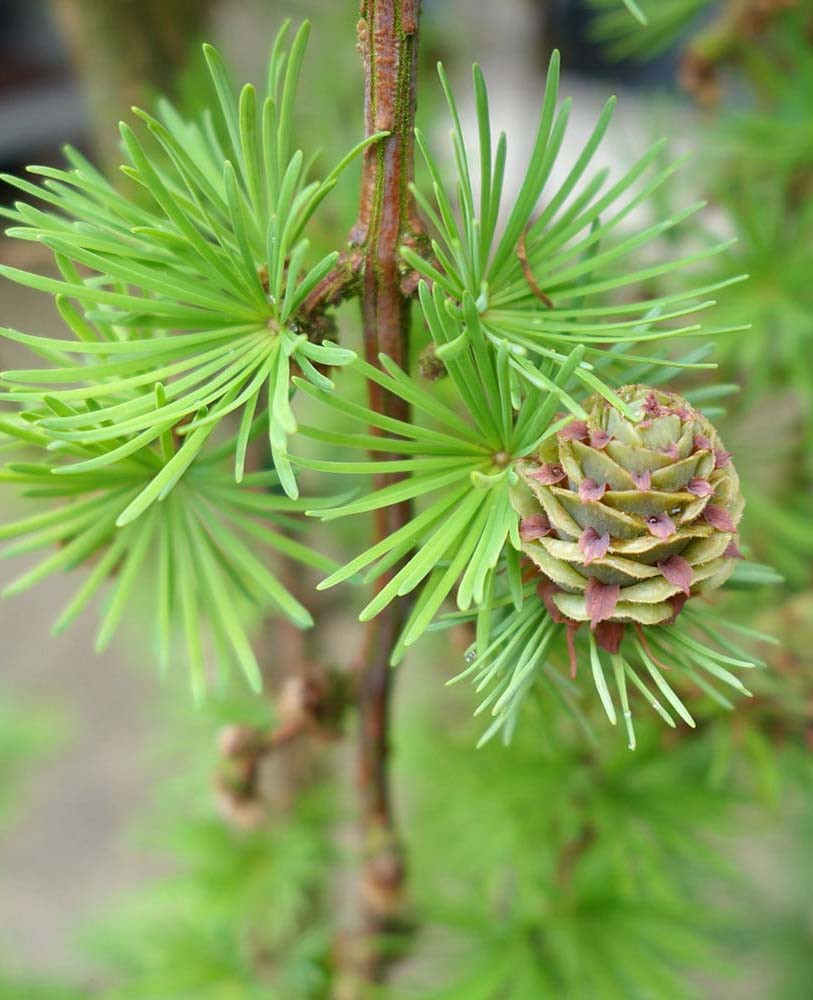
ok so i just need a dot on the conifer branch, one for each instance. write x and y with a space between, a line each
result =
388 42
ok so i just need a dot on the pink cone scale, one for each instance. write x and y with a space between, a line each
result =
641 511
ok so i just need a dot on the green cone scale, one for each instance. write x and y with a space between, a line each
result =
627 518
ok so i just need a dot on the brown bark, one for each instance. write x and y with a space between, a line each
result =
388 43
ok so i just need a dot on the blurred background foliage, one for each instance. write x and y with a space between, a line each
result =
563 865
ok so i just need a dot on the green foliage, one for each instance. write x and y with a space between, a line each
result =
551 279
195 303
660 22
777 932
212 539
513 360
463 469
560 865
185 312
242 912
754 162
214 246
762 184
636 11
777 297
577 877
198 306
518 648
771 130
239 920
28 988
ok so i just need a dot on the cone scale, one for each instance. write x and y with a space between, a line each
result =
627 519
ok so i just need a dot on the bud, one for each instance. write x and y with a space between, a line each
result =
430 365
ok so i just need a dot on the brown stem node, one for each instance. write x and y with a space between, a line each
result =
522 256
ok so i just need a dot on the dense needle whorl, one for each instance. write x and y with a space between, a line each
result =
626 519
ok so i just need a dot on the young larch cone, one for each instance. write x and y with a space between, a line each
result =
627 519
